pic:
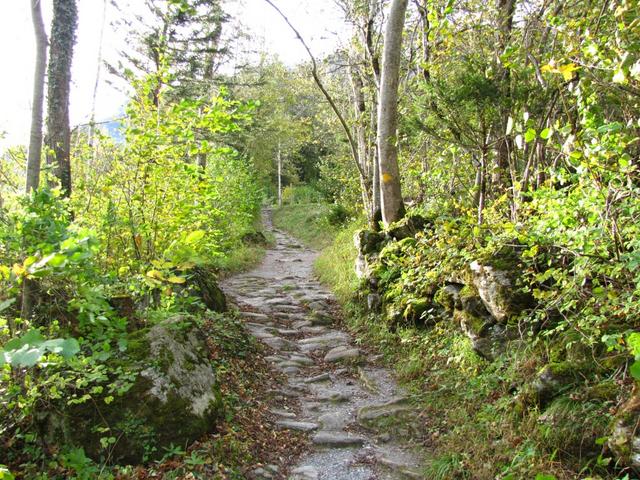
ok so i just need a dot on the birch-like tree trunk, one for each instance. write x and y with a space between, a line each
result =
63 33
390 191
35 138
35 142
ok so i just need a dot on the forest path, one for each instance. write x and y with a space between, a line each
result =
334 390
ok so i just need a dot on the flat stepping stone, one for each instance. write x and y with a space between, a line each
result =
343 354
283 413
308 329
304 473
290 370
278 343
330 339
405 470
334 396
287 332
394 407
332 421
300 360
299 426
302 325
323 377
337 440
255 316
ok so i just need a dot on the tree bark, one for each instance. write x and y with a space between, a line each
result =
506 9
35 142
35 138
391 194
65 19
279 176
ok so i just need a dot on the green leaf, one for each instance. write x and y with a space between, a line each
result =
530 135
633 342
634 370
194 237
5 474
546 133
619 76
6 304
27 356
544 476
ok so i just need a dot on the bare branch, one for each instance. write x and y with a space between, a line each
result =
316 77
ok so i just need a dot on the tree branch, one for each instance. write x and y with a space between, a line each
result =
316 77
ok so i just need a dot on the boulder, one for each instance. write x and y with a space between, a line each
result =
624 440
498 291
173 399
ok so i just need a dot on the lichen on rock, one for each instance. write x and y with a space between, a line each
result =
624 440
174 398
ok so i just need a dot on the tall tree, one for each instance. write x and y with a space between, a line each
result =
63 33
390 191
35 138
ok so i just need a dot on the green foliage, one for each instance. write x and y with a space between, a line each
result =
29 349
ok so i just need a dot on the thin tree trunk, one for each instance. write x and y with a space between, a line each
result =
391 194
65 18
360 111
92 122
35 143
506 9
279 176
35 139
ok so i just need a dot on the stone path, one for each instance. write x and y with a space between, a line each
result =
334 389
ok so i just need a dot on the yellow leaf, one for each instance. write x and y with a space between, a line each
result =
19 270
386 178
567 70
176 279
155 274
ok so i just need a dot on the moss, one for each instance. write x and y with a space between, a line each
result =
138 347
606 391
415 309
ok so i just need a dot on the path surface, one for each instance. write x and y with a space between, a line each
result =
334 389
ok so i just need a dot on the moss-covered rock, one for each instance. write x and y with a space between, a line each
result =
497 289
173 398
555 378
448 297
368 245
416 310
624 440
408 226
202 284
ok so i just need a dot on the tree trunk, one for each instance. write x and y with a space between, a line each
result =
35 143
279 176
391 195
506 10
63 28
35 139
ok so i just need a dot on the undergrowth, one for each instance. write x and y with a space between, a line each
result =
475 424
